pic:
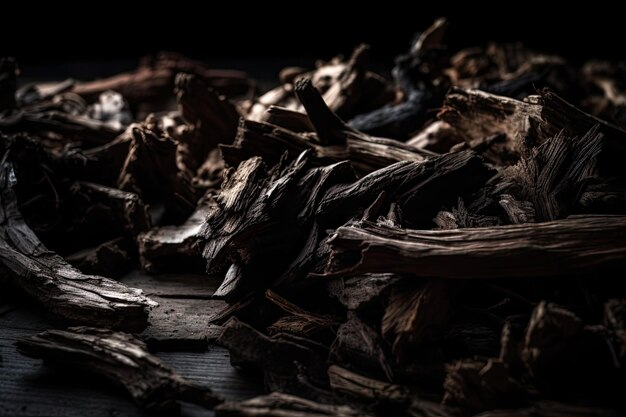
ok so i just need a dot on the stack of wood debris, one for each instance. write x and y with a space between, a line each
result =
447 241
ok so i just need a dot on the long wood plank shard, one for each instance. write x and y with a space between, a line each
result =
568 246
59 287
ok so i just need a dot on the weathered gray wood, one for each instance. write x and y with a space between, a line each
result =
58 286
568 246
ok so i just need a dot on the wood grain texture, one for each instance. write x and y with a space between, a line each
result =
48 278
31 390
572 245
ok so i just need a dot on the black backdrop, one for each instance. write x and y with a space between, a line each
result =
300 32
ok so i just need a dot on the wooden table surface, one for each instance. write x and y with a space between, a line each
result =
28 387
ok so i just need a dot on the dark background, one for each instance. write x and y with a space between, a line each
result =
100 38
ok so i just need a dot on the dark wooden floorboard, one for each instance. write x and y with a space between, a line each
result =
29 388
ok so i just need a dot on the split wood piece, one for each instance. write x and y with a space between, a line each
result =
292 120
364 151
242 209
481 384
438 137
107 211
59 287
348 382
151 171
351 89
167 247
494 125
557 341
277 207
418 75
270 142
359 346
419 188
500 127
211 120
300 322
123 360
72 128
569 246
154 79
288 364
462 216
359 292
551 176
278 404
416 314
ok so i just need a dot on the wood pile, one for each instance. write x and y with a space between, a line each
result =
448 241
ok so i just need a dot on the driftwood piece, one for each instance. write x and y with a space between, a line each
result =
418 74
358 292
347 382
76 128
299 321
288 364
107 211
413 185
161 248
499 127
552 176
151 153
278 404
494 125
58 286
123 360
334 142
211 120
347 86
529 250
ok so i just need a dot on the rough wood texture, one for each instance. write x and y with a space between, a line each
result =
529 250
278 404
335 141
58 286
412 185
123 360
